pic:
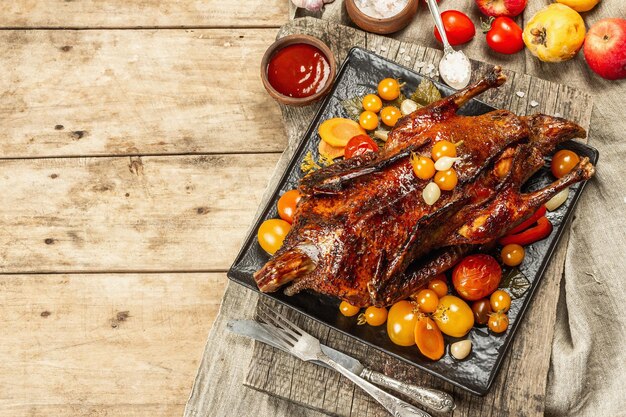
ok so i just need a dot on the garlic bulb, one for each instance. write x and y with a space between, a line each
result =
445 163
312 5
461 349
431 193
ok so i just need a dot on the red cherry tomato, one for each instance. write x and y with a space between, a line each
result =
287 205
476 276
458 26
505 36
359 145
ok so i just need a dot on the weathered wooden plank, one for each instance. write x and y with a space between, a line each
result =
121 92
520 386
102 343
184 213
143 13
126 410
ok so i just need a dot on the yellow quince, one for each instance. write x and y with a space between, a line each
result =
555 33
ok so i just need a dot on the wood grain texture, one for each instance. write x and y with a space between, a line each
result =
123 92
184 213
520 386
102 344
142 13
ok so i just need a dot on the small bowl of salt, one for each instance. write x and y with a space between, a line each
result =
381 16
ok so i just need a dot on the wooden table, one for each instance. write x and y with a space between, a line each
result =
137 141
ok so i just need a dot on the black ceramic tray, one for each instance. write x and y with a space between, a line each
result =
358 76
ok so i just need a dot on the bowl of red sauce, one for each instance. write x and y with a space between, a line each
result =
298 70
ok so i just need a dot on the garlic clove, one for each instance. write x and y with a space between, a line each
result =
431 193
461 349
381 134
558 200
408 106
445 163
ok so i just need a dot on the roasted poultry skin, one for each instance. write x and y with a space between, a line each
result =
362 231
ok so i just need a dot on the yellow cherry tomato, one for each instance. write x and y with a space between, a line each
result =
348 309
368 120
500 301
401 323
555 33
375 316
498 322
446 180
272 233
443 148
390 115
453 316
424 168
512 254
427 301
389 89
439 285
372 102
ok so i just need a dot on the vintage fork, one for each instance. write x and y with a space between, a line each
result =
307 348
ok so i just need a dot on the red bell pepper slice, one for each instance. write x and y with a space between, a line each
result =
541 231
528 222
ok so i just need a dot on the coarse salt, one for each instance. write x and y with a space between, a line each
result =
520 94
381 9
455 69
534 103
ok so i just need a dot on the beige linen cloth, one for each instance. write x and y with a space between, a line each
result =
587 375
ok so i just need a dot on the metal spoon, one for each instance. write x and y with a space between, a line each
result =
455 68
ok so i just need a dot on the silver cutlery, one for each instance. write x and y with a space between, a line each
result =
307 348
435 400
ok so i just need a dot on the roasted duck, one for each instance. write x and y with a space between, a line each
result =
363 232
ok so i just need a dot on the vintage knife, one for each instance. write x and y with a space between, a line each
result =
434 399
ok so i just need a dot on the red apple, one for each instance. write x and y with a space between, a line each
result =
496 8
605 48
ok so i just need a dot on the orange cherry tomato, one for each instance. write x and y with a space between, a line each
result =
287 205
428 338
446 180
476 276
372 102
401 323
368 120
375 316
427 301
512 254
424 168
389 89
390 115
272 233
500 301
439 285
498 322
348 309
563 162
443 148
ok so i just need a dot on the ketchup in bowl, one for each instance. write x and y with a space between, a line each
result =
298 70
